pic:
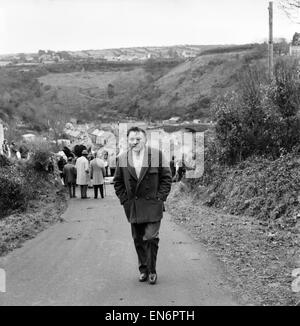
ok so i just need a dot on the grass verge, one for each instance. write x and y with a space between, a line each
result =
258 259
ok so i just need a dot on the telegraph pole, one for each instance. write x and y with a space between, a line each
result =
271 55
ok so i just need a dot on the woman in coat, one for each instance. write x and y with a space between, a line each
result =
97 173
82 167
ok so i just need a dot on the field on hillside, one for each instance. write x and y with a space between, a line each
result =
86 87
91 95
155 89
121 80
195 83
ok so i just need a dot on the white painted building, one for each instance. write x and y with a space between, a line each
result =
295 50
29 137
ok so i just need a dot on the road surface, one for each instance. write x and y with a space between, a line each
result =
89 259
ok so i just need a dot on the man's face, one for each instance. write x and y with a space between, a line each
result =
136 141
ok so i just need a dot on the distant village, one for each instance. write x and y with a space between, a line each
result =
137 55
113 55
107 136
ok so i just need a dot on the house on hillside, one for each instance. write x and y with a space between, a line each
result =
197 121
64 142
29 137
188 54
173 120
295 45
4 63
295 50
73 134
103 138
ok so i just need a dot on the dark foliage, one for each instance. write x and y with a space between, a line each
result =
4 161
259 119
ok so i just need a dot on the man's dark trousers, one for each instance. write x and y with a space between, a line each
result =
96 191
71 188
146 241
83 190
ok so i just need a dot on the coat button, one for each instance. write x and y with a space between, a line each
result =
147 197
136 198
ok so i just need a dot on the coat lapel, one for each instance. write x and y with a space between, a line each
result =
131 168
146 165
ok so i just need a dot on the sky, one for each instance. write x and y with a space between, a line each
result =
29 25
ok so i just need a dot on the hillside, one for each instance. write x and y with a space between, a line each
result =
111 91
155 89
188 89
144 53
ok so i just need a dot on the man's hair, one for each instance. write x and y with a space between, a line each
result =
136 129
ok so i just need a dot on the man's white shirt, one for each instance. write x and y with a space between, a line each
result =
137 160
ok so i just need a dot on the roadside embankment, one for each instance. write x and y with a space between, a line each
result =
258 257
30 200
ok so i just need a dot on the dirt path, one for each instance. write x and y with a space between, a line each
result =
89 259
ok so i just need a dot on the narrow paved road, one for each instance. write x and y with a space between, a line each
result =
90 260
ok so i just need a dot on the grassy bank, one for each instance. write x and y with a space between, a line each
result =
246 205
258 255
31 199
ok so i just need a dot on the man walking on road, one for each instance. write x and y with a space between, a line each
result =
82 167
142 184
70 173
97 174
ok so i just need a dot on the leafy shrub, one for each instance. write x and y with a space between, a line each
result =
259 119
22 181
40 160
41 153
4 161
260 52
267 190
12 191
216 62
252 164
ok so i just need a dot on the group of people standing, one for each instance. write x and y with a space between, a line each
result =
81 171
13 151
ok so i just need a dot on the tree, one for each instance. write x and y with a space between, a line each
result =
296 39
281 47
22 57
55 117
41 52
291 8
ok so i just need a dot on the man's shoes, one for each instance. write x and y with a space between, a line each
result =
143 277
152 278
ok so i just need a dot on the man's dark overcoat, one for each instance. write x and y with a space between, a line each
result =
143 198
